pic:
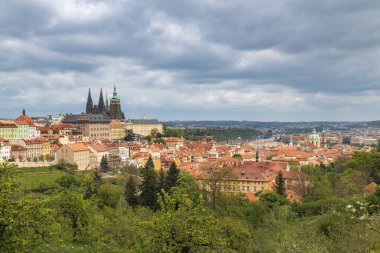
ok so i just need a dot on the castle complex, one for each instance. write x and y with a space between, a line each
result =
111 108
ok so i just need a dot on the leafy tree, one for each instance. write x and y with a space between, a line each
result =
92 184
149 186
237 156
74 209
68 181
129 136
25 220
279 186
273 199
171 178
154 132
104 164
184 227
110 194
187 185
131 192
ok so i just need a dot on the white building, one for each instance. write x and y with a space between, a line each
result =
5 150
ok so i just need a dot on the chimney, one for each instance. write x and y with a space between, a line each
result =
257 156
23 111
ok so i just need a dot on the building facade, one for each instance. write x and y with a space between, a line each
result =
92 126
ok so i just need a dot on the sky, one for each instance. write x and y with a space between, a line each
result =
268 60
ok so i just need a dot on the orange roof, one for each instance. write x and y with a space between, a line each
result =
98 148
24 120
77 147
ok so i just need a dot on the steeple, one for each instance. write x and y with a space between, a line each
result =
114 96
107 104
90 104
101 107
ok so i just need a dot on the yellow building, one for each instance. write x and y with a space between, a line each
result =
144 127
117 130
34 149
47 148
8 129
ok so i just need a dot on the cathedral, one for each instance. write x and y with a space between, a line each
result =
111 108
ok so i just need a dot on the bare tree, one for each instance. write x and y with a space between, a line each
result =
213 176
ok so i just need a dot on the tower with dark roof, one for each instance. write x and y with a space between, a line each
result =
101 106
90 104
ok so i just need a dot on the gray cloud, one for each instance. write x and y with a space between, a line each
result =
258 60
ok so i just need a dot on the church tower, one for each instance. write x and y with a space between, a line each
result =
107 105
101 106
115 107
90 104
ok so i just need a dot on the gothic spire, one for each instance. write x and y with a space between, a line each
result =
114 92
90 105
101 106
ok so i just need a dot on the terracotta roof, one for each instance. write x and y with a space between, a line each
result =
24 119
77 147
98 148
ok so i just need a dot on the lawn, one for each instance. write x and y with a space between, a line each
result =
34 178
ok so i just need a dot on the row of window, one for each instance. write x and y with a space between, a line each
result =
242 188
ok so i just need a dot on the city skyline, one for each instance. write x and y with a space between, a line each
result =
201 60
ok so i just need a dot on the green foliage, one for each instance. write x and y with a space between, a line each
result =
68 181
173 132
187 185
149 185
279 186
195 230
237 156
104 166
131 192
25 221
129 136
222 134
172 176
273 199
110 194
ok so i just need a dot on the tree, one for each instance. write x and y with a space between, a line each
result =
25 220
237 156
110 194
149 186
171 178
104 164
129 136
182 226
74 209
131 192
92 184
213 177
161 180
154 132
279 186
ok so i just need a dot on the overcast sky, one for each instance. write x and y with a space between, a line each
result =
269 60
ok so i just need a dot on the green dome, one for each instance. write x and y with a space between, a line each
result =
314 136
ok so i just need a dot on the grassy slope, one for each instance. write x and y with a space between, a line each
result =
33 178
